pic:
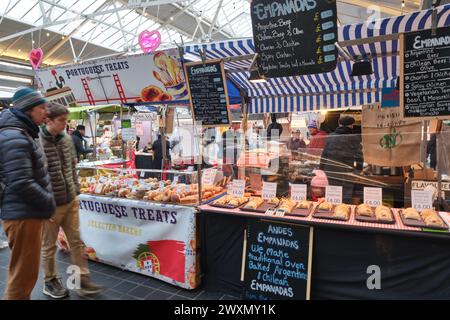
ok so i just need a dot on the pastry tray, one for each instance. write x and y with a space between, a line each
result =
227 206
325 214
420 224
301 212
261 209
373 219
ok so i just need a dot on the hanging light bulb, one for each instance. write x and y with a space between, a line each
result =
48 34
403 3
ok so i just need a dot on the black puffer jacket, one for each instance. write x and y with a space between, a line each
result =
342 152
28 192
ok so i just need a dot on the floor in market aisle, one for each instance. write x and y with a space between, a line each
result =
119 285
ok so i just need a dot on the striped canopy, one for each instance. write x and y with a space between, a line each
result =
337 89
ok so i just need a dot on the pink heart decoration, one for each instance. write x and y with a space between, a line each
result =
149 40
36 56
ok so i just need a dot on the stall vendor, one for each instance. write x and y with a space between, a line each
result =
79 142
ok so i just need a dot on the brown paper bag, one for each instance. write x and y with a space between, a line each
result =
388 140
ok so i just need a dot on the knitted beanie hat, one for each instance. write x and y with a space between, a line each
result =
26 98
320 180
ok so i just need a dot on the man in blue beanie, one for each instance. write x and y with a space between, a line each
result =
27 196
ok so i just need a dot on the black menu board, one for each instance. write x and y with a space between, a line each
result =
208 93
277 263
294 37
425 63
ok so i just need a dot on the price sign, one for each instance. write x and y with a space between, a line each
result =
142 175
130 183
269 190
421 200
298 192
373 196
238 188
175 181
333 194
209 176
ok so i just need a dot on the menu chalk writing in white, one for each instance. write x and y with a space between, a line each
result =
294 37
426 78
277 260
208 92
373 196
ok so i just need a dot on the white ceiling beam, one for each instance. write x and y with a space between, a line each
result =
81 16
214 21
71 34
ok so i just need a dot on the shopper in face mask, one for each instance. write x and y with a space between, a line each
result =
62 161
27 197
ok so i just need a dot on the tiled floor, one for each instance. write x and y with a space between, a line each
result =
119 285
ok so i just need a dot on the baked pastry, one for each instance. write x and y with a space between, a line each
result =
412 214
383 213
326 206
254 203
223 201
431 218
365 210
342 211
274 200
189 199
287 205
304 204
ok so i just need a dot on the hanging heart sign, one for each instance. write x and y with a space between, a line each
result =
36 56
149 40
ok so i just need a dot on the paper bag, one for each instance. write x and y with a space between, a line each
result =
388 140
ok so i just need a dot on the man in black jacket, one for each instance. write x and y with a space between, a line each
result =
79 142
27 198
341 156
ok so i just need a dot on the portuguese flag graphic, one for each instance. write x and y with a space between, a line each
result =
164 257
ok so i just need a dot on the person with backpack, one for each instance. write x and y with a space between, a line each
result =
27 196
62 162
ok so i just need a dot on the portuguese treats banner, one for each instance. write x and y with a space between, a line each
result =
152 239
154 77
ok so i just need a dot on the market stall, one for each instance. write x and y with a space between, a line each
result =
348 244
143 224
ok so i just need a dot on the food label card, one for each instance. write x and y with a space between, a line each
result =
421 200
209 176
238 188
298 192
269 190
333 194
373 197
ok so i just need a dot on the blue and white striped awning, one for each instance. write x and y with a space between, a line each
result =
337 89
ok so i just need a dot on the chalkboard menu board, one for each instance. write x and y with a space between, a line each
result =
425 89
294 37
208 93
277 262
